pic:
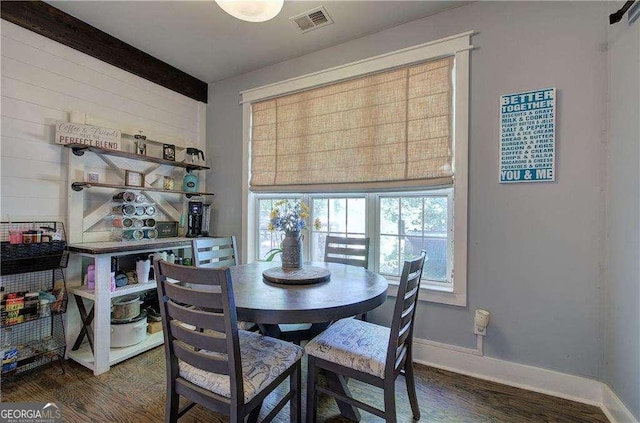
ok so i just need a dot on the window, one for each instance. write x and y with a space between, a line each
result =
409 223
341 216
400 225
326 138
266 240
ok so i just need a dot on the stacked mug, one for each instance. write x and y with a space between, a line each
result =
133 217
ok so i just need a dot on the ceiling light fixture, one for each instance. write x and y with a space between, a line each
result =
252 11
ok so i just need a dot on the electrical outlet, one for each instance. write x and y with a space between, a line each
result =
479 331
481 321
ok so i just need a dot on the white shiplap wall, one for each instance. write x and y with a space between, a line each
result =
42 81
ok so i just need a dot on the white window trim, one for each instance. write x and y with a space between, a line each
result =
458 45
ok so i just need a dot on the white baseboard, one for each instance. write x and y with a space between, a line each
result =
614 409
575 388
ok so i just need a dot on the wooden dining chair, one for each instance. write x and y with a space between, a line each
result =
212 363
218 252
215 252
353 251
373 354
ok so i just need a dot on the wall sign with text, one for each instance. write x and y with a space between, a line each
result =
528 136
94 136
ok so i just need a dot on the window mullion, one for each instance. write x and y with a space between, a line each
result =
400 229
306 242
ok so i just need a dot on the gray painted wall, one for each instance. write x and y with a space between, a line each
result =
622 330
535 250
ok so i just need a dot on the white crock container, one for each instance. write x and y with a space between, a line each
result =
130 333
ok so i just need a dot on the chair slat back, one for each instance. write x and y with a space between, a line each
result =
215 252
203 340
352 251
198 320
404 312
205 296
211 363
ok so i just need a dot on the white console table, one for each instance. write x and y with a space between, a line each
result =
103 356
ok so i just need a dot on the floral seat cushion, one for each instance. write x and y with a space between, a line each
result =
245 325
353 343
263 360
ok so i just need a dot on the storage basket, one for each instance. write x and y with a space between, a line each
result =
21 258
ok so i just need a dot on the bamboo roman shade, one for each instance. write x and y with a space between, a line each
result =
381 131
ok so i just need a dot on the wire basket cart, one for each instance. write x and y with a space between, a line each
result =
33 294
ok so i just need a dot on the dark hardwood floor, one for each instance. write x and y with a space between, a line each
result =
134 391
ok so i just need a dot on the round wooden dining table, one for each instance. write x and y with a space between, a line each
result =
349 291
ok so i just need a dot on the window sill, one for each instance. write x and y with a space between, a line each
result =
430 293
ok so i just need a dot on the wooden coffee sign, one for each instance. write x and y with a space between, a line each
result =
94 136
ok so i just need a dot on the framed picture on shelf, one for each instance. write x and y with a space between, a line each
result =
133 179
92 177
141 147
168 151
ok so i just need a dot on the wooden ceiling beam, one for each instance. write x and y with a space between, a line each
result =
59 26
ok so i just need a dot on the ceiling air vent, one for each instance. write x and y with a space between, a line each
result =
312 19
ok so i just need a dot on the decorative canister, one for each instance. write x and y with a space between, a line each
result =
126 196
128 210
131 235
292 250
150 233
190 182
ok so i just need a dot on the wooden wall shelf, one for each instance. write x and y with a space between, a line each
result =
79 186
79 150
